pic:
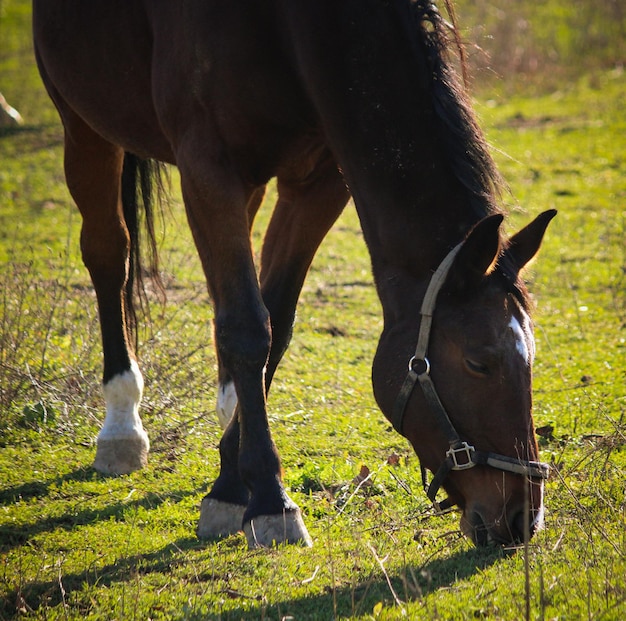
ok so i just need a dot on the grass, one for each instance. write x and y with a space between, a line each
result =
540 45
75 544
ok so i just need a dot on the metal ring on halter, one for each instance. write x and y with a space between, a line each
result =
415 361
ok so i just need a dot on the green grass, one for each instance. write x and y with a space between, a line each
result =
75 544
540 45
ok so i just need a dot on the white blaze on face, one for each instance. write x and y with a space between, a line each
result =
524 340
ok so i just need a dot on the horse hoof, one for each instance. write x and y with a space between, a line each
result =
265 531
219 518
121 455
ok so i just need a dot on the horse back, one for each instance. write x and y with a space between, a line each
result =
170 70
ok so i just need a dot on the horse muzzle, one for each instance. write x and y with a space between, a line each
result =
511 524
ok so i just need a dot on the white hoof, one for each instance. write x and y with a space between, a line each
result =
265 531
219 519
121 455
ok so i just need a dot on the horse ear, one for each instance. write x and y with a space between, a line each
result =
478 254
523 246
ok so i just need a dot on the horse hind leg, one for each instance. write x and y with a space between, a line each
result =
93 169
122 444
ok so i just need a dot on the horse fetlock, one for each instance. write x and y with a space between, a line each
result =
219 519
122 444
122 394
266 531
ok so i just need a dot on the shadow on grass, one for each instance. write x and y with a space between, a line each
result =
48 594
412 583
39 489
29 128
16 130
12 536
26 139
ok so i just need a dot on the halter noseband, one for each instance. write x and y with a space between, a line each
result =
461 455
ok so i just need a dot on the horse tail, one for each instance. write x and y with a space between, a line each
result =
142 191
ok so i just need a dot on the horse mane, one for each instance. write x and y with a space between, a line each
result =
464 141
470 159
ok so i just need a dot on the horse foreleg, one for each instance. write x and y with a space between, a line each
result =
216 205
303 215
93 170
226 395
222 511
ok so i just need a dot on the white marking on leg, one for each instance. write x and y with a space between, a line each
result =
122 395
226 403
524 340
9 116
538 522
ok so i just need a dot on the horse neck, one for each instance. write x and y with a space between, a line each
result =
372 86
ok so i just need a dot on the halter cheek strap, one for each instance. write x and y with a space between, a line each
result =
419 366
461 455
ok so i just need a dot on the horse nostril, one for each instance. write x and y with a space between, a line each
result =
475 528
519 528
523 526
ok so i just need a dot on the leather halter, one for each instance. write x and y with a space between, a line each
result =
461 455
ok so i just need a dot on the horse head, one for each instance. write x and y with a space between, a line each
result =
466 403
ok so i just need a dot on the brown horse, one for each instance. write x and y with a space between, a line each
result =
324 95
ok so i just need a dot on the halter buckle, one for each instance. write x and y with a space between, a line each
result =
466 462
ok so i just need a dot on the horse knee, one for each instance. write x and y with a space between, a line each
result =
243 342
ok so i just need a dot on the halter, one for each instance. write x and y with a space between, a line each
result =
461 455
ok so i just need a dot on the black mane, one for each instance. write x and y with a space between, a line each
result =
463 139
468 150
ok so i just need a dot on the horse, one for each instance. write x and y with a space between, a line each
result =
358 98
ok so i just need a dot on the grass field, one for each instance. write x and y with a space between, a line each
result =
75 544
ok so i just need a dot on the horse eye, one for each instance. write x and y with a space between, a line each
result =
475 367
